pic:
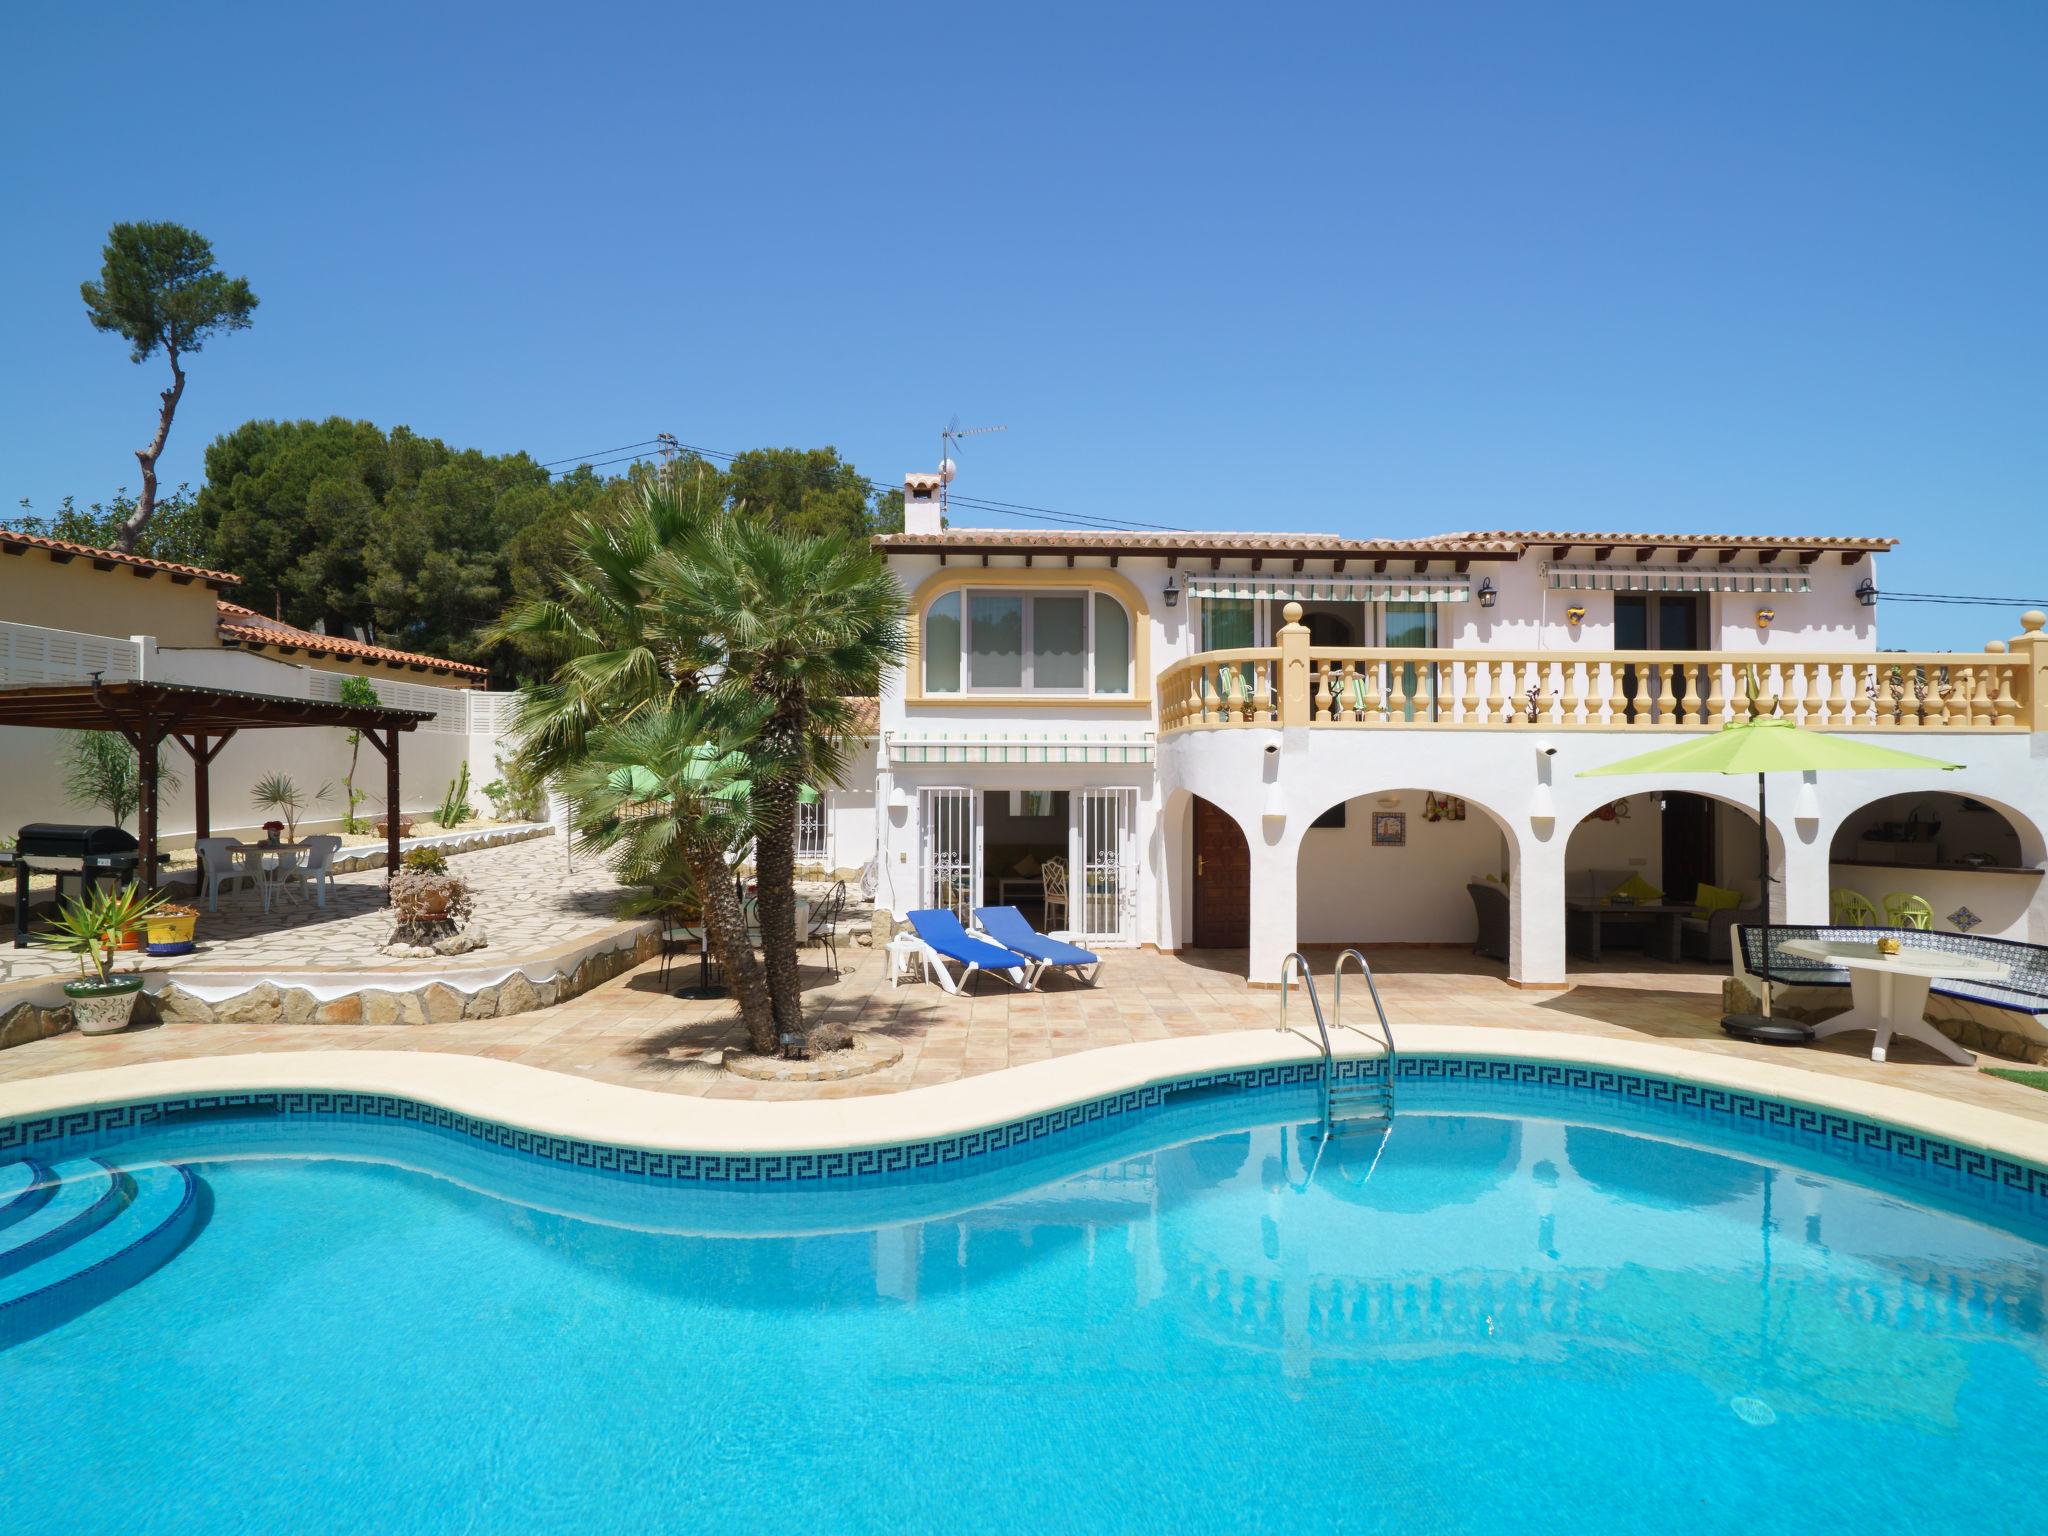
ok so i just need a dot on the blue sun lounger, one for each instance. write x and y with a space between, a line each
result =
1013 930
943 939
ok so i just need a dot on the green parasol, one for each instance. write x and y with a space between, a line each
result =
1762 746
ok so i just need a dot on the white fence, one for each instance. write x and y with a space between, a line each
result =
31 657
465 729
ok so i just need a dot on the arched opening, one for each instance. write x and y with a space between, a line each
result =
1931 858
1664 876
1405 867
1220 893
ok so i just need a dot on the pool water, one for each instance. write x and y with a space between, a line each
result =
1490 1322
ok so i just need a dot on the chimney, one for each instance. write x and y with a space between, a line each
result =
924 501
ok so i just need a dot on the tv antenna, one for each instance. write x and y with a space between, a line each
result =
949 445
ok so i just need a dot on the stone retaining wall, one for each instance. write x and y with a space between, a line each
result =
425 996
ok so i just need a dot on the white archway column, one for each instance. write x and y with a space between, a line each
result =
1804 857
1536 905
1275 850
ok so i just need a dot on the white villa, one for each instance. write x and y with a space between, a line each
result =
1253 741
1258 741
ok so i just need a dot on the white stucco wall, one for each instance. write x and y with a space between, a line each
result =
1349 891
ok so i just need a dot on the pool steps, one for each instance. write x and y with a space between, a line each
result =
96 1230
23 1188
1350 1106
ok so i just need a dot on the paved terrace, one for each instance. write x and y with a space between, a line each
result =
527 899
631 1031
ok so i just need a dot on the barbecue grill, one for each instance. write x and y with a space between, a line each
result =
86 854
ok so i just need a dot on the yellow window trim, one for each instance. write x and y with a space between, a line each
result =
1120 587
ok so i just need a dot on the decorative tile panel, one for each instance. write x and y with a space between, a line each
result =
1503 1085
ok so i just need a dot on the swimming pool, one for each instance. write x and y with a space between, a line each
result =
1551 1299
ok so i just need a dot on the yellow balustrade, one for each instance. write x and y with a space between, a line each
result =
2004 688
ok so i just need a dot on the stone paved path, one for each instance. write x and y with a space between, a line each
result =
527 899
631 1030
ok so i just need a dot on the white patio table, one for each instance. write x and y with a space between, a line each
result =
1888 993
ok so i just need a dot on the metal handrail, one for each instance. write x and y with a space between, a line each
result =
1386 1028
1292 963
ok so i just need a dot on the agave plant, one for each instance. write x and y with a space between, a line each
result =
90 927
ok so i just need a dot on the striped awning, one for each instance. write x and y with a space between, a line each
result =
1334 589
1013 747
1673 578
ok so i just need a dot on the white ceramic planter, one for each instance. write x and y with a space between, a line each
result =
103 1010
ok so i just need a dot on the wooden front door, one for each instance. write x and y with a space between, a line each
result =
1223 881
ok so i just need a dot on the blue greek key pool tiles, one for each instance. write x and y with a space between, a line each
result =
1502 1083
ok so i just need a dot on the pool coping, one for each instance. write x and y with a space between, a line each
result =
555 1103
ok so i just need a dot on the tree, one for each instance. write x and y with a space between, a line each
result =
809 491
356 693
610 675
159 287
175 532
102 770
799 624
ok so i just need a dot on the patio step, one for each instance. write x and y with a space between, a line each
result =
87 1195
159 1207
24 1187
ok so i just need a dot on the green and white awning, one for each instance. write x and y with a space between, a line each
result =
1015 747
1334 589
1633 577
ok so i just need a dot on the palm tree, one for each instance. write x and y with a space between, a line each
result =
664 795
613 671
802 624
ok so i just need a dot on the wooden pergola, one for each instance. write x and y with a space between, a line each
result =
202 721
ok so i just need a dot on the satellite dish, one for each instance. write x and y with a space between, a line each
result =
947 470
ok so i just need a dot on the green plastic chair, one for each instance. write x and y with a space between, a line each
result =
1909 911
1851 910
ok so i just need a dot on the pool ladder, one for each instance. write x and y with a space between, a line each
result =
1344 1103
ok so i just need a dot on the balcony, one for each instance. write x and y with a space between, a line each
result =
2002 689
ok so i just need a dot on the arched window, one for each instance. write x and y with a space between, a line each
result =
1032 640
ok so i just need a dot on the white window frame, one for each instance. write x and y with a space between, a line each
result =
1028 690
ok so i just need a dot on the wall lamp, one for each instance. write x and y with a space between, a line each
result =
1866 593
1575 615
1487 592
1764 617
1172 593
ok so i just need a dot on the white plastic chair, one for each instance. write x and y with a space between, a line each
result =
282 869
314 866
221 867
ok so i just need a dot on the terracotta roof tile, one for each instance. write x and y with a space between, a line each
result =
1703 540
251 627
867 714
14 543
1191 542
1498 544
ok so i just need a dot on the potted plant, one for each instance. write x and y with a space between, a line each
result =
425 892
170 928
270 831
90 927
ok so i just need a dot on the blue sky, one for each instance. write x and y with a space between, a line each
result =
1375 269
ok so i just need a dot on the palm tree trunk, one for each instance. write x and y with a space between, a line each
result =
727 922
775 871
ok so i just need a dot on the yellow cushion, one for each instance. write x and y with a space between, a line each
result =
1634 889
1710 899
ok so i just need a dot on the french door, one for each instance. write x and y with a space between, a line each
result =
1102 851
949 830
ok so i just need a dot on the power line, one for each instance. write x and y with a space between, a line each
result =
582 457
883 488
1954 600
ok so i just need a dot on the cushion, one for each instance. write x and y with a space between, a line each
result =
1710 899
1028 865
1634 889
